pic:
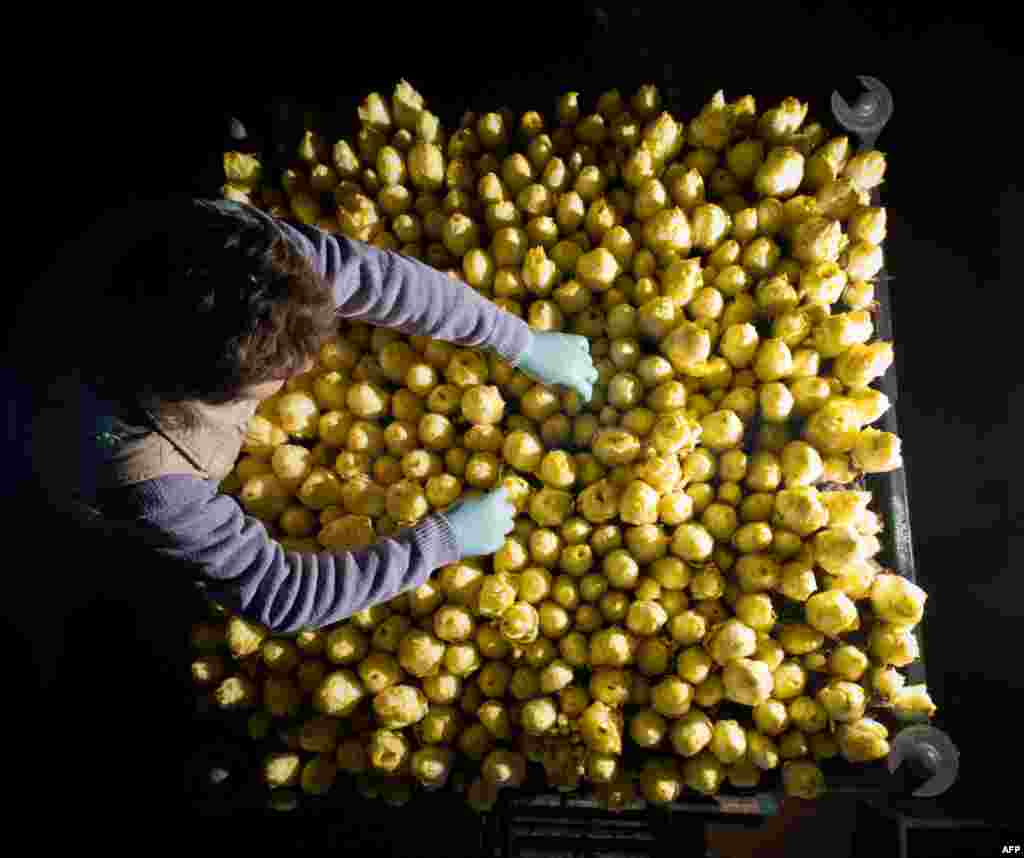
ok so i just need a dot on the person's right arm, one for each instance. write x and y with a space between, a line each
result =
248 572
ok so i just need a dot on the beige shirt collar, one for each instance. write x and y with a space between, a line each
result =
213 444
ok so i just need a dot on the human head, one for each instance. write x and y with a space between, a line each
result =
210 302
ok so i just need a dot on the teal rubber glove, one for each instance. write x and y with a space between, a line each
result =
555 358
480 525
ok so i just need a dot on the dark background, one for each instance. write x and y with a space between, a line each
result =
132 122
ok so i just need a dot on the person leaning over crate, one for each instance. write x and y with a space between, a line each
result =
209 315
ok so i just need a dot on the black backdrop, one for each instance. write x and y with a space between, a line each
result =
955 213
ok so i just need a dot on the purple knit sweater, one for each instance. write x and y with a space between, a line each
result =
231 553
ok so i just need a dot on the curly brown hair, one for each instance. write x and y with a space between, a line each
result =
212 300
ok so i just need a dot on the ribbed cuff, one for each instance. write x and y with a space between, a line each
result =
514 339
436 540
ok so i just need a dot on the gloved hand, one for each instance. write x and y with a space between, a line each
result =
481 524
556 358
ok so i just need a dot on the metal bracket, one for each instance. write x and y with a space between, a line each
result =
931 755
236 130
869 115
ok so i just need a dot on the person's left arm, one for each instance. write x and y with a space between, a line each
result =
395 291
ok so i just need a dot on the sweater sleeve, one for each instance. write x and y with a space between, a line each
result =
396 291
241 567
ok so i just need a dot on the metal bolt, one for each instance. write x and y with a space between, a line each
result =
236 130
218 776
928 758
866 104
